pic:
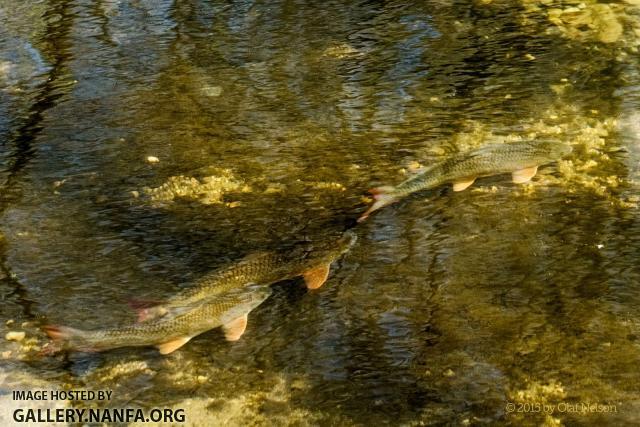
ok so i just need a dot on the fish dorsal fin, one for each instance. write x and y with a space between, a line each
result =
234 329
173 345
316 277
462 184
484 151
254 256
524 175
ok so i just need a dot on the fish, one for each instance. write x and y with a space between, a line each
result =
167 333
521 159
312 261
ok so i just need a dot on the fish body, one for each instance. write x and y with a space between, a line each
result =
168 333
312 261
520 158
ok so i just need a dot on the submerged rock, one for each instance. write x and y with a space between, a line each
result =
211 91
595 21
340 51
207 190
322 185
14 336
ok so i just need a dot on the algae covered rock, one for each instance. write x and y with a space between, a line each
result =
597 22
207 190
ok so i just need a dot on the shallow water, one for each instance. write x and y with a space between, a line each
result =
278 116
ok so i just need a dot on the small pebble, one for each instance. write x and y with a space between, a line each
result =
14 336
9 322
6 354
414 166
297 384
212 91
152 159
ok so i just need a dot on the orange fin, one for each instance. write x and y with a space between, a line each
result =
234 329
50 348
55 332
64 337
316 277
173 345
524 175
462 184
61 333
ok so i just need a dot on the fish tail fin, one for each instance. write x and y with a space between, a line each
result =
49 349
58 335
150 313
135 303
382 192
61 333
146 310
66 338
143 314
382 196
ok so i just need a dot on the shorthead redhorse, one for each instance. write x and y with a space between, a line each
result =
312 261
167 333
521 159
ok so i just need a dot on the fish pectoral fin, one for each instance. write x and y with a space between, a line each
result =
316 277
173 345
235 328
524 175
463 184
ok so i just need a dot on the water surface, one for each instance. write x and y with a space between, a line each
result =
269 121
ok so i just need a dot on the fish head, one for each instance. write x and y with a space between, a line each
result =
309 255
553 149
260 294
329 250
243 302
254 296
346 241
